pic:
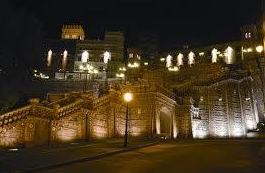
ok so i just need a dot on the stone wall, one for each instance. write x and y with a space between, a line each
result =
225 109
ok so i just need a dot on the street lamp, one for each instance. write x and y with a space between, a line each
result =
127 97
260 62
259 49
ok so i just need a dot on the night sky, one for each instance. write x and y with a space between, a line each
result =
175 22
25 23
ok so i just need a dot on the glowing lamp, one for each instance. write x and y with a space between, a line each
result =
128 97
169 61
107 57
49 58
201 54
259 49
180 59
120 75
84 57
249 50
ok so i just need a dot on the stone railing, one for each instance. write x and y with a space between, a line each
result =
102 100
73 107
15 115
42 112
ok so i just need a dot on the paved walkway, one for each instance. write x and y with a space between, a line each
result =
36 158
198 156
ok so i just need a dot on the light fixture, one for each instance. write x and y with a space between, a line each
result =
133 65
64 61
169 61
120 75
214 55
49 58
180 59
107 57
259 49
128 97
191 59
122 69
249 50
173 69
201 54
229 55
84 57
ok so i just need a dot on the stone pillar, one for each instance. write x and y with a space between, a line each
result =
184 119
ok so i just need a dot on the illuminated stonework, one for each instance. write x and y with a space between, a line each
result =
214 55
180 59
191 58
225 111
220 107
74 32
229 55
169 61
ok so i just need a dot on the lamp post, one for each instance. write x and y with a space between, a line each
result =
260 62
127 97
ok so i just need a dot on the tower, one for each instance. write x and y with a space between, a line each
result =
249 32
73 32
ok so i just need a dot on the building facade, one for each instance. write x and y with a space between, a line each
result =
215 91
74 57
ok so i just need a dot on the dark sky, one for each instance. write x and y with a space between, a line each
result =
175 22
24 24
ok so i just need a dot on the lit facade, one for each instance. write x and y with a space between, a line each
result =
220 108
73 32
213 91
106 55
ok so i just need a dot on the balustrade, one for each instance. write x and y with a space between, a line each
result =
15 115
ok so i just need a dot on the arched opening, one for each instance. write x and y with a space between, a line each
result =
163 123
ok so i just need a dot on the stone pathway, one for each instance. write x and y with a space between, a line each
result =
33 159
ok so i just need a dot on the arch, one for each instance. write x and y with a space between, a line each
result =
165 122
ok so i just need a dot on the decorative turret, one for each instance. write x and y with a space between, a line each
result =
74 32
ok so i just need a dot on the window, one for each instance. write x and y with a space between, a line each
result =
248 35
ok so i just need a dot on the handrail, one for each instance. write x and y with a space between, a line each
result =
68 108
15 115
